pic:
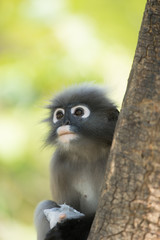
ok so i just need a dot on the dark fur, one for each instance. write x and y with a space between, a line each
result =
74 229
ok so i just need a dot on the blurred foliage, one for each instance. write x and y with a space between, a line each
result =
44 47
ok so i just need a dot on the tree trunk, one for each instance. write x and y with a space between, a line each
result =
129 206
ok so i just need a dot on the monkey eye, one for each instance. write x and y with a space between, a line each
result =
80 111
58 114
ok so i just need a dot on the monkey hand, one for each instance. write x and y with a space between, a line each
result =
60 213
71 229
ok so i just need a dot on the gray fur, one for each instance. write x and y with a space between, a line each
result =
40 221
77 168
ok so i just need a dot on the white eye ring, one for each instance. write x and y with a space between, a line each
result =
80 111
58 114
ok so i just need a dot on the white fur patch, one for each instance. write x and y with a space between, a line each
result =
67 138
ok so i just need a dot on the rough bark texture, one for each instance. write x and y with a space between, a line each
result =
129 206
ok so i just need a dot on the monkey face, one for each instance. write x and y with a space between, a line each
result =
80 115
67 122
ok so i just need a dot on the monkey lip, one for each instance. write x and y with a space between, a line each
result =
64 131
65 134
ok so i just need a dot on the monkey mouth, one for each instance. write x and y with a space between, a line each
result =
65 135
64 130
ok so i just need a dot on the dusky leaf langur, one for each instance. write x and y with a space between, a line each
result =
82 122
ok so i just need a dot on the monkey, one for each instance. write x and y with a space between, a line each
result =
81 121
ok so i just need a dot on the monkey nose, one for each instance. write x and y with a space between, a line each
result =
67 122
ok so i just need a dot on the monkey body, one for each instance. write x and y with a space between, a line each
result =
82 122
72 183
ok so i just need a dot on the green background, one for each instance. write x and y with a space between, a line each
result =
46 46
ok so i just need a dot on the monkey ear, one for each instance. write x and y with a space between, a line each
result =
113 114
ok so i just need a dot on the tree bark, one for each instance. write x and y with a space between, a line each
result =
129 206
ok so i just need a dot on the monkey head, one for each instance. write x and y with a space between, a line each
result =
80 114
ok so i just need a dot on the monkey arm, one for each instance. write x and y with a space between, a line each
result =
72 229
